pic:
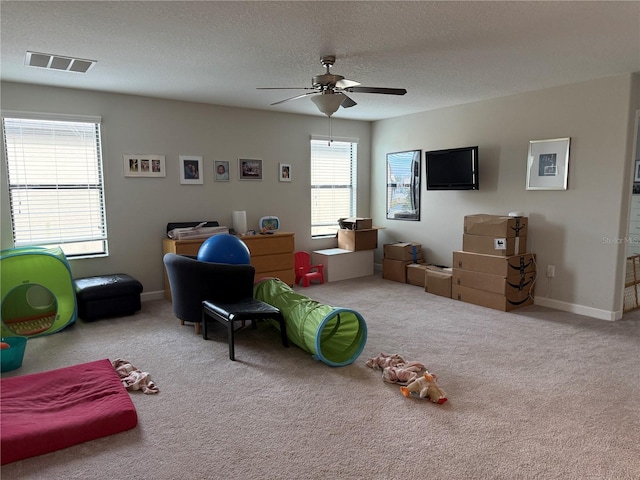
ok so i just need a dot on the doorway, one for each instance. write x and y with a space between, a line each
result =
632 269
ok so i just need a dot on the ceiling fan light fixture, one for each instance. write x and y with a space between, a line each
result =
328 103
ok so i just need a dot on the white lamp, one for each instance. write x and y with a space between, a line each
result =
239 221
329 102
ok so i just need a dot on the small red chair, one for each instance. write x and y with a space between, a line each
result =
307 272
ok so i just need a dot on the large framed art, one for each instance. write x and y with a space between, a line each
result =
403 185
548 164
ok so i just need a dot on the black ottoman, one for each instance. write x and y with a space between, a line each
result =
107 296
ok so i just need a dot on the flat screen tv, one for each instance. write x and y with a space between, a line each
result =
452 169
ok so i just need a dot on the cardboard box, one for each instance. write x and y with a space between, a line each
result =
495 283
437 268
356 223
438 283
403 251
494 265
354 240
503 246
496 225
496 301
416 274
395 270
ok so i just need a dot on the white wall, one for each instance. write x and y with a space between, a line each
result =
138 209
566 228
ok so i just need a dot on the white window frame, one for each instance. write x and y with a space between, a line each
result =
334 186
56 182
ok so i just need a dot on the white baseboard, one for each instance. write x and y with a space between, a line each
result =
578 309
147 296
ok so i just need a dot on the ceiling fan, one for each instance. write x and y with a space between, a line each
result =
330 91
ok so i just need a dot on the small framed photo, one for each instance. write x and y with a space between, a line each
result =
190 170
285 172
636 172
548 164
221 171
250 169
144 165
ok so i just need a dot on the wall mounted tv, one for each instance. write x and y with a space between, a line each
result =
452 169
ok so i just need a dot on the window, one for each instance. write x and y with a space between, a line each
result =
333 183
56 186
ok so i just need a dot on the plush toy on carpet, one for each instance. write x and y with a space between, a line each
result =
395 369
403 373
132 378
383 361
426 387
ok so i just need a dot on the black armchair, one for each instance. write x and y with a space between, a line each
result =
192 282
224 292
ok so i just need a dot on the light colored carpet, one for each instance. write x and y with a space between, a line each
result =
532 394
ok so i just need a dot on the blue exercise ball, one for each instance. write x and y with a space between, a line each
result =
224 248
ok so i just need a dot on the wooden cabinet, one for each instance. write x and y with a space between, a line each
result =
271 255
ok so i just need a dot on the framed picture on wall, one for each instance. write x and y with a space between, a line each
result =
144 165
636 172
250 169
221 171
190 170
548 164
284 170
403 185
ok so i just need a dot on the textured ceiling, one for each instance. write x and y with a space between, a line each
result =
443 53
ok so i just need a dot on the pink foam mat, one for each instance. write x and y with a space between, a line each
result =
48 411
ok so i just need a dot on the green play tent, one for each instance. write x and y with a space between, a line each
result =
37 291
335 336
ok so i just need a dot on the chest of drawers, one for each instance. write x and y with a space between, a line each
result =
271 255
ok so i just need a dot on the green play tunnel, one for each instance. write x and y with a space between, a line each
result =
335 336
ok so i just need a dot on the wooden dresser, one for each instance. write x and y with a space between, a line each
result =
271 255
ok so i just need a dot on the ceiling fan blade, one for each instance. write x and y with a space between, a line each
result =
344 83
284 88
386 91
347 102
294 98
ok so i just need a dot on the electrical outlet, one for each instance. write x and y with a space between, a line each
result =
551 271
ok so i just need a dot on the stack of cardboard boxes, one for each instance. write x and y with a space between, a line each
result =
397 257
494 269
404 262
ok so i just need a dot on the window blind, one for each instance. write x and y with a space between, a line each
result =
56 184
333 183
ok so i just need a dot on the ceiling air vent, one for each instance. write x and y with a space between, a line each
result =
56 62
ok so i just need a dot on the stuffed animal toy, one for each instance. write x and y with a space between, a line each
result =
383 361
426 387
395 369
132 378
413 376
403 373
